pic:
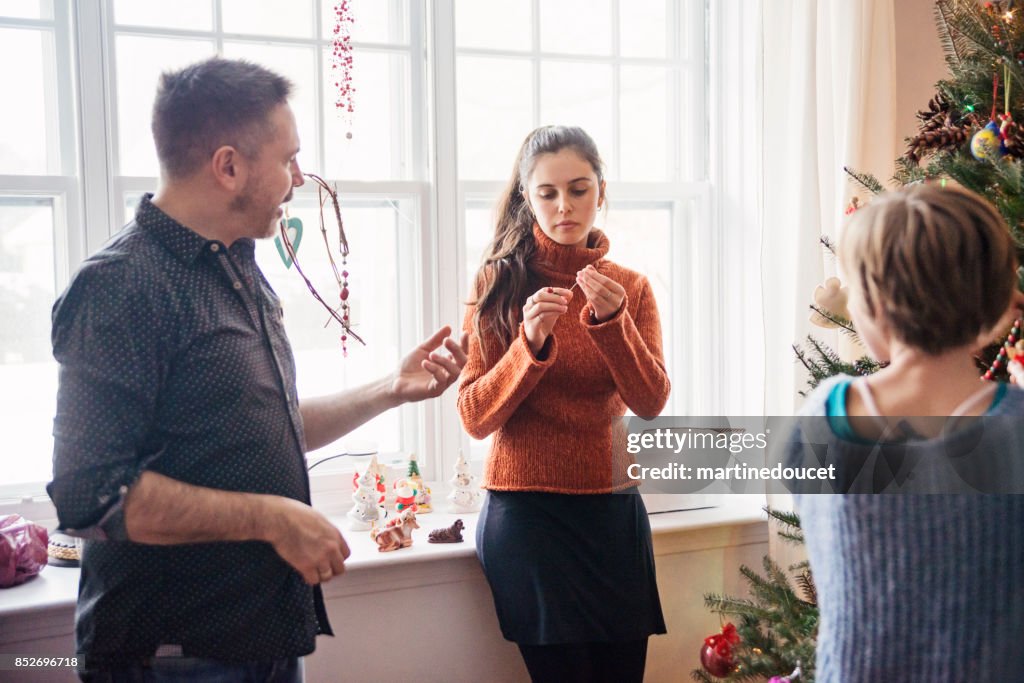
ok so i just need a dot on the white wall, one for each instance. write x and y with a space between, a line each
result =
919 64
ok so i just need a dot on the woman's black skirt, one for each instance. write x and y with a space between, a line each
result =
570 568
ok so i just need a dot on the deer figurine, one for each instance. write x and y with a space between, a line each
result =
398 532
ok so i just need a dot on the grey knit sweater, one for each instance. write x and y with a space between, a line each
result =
917 587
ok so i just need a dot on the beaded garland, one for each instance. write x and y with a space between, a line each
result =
341 63
1004 353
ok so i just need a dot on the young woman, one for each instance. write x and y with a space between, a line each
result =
562 342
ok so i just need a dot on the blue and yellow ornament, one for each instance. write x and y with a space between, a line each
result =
987 144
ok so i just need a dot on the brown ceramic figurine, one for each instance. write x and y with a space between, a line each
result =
452 534
397 534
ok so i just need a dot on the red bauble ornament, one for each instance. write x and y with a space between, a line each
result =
716 654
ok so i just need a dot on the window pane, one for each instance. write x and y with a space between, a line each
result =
641 239
374 231
501 25
576 27
381 133
28 129
293 18
575 94
642 28
27 9
643 124
479 231
495 114
376 21
27 291
188 14
140 61
299 65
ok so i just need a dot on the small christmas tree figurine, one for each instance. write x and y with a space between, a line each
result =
422 490
465 496
414 468
375 470
366 510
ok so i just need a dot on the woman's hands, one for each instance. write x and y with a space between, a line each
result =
542 309
545 306
604 294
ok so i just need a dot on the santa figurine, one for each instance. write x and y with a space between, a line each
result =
405 496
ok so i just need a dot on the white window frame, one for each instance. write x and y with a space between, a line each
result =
699 346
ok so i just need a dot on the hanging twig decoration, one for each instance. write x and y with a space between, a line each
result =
341 314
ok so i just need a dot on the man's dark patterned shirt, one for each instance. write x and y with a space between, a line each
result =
173 359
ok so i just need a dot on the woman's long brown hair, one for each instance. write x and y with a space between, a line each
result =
501 282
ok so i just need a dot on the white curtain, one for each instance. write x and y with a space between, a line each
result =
829 101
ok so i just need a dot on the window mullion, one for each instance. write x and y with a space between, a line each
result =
218 26
319 91
442 265
535 60
616 157
96 136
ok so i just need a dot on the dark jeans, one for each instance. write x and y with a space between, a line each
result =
189 669
586 662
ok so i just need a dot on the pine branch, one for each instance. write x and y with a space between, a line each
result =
970 32
720 604
865 180
798 566
949 46
797 539
785 518
908 172
826 242
845 324
806 583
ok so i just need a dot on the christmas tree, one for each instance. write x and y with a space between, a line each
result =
414 467
776 627
967 135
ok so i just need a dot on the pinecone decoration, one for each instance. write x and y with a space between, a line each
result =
934 117
949 137
942 128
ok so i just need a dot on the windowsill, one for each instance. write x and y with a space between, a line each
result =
56 588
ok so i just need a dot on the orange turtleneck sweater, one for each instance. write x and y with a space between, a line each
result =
552 419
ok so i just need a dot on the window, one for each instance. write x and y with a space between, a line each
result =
381 218
622 71
444 100
39 223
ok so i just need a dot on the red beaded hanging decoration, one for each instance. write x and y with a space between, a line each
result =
1002 359
341 63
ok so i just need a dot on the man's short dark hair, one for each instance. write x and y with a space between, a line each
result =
210 104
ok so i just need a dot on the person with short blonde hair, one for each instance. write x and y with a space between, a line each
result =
914 587
937 262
